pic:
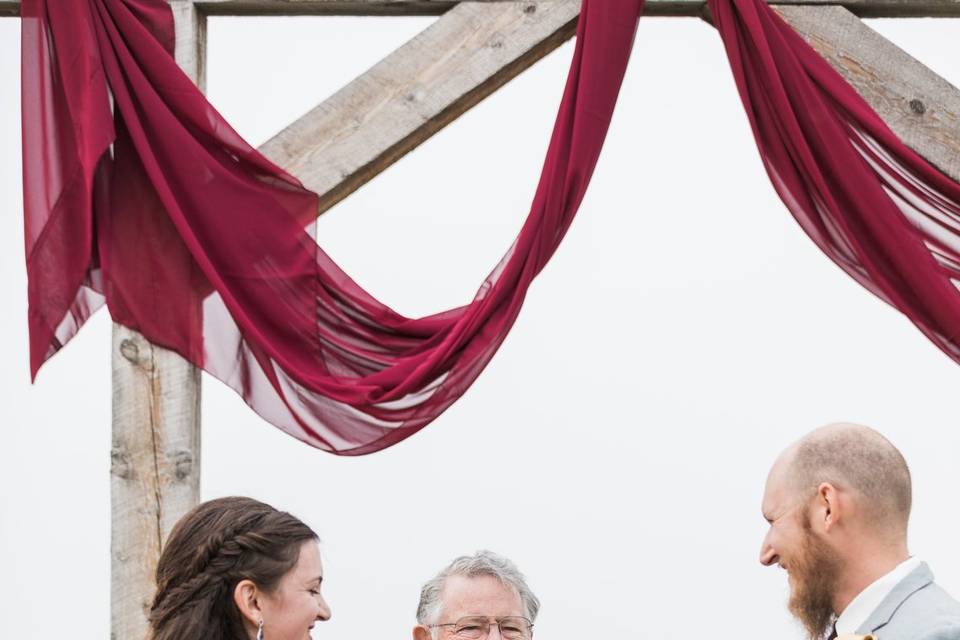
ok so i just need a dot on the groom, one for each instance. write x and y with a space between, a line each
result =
837 502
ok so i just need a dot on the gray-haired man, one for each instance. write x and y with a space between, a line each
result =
838 501
478 597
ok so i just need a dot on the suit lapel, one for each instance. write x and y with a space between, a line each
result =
915 580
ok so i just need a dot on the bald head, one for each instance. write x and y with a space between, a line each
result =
855 458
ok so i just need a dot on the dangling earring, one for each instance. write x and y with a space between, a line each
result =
260 630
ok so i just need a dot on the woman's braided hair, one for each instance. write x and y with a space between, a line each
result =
210 550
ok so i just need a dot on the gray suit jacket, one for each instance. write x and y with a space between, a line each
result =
916 609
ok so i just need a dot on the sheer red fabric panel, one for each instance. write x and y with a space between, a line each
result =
198 242
139 194
66 129
876 208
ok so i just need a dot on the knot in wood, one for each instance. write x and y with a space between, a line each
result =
918 107
182 461
120 465
530 8
130 351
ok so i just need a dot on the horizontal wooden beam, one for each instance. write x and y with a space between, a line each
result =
677 8
863 8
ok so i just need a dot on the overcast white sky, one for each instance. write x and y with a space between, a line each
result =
616 447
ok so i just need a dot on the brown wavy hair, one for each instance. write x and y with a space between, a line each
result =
210 550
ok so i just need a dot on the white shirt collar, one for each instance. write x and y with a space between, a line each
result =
867 601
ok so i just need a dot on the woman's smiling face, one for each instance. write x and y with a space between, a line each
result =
291 610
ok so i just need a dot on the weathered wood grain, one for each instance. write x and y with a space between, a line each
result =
191 49
920 106
414 92
155 470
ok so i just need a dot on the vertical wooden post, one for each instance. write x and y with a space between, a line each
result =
155 459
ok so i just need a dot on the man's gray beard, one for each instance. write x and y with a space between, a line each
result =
815 572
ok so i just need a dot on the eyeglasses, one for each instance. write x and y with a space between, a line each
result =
475 627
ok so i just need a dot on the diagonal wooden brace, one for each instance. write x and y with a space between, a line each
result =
418 89
920 106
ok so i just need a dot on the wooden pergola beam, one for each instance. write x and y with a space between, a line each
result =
677 8
921 107
155 452
670 8
417 90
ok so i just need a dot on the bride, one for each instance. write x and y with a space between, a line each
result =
238 569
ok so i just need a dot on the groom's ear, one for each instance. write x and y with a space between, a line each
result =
420 632
829 507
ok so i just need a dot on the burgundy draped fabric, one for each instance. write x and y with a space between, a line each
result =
137 192
875 207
